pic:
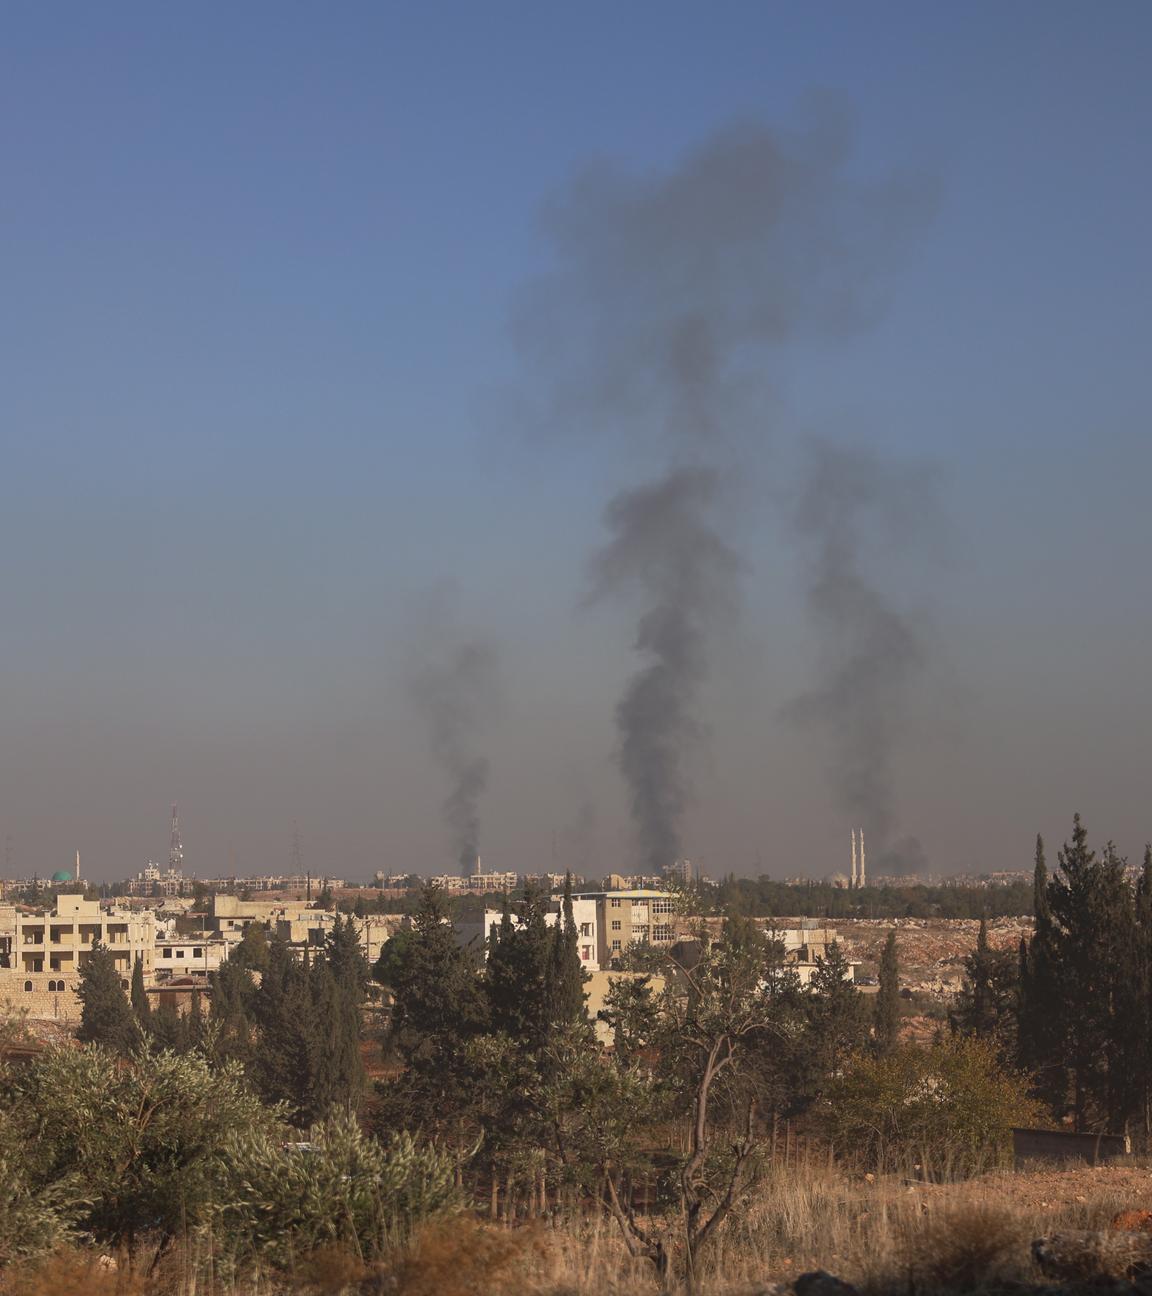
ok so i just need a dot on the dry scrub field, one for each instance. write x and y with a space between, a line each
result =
888 1237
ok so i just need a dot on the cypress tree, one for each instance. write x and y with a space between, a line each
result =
987 1006
232 991
106 1016
887 1022
838 1013
138 996
518 981
346 959
438 1004
339 1075
1094 918
166 1027
565 973
438 1009
1040 1046
290 1039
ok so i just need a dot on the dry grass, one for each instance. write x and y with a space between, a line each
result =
889 1236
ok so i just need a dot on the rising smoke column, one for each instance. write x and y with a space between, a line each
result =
657 328
454 690
853 514
663 545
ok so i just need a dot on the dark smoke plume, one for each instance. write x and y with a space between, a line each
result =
853 509
664 546
454 692
657 328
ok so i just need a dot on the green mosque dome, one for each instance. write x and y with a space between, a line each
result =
61 875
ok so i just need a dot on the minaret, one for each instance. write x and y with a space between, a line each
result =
862 874
76 875
853 859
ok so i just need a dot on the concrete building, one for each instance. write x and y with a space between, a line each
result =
41 954
641 915
805 944
152 882
479 929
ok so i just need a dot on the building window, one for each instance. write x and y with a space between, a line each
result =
615 904
179 953
197 953
615 924
662 932
616 947
586 953
27 985
168 951
585 929
662 906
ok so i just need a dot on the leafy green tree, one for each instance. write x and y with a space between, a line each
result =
252 951
719 1007
887 1016
391 957
106 1016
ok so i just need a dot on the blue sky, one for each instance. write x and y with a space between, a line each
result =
256 377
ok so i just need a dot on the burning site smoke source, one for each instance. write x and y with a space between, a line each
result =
853 511
658 329
455 690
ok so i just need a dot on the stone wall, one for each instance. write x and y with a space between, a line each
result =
40 1002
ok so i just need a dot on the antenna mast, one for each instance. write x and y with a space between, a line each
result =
175 847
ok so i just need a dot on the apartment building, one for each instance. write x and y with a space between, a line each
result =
41 954
479 929
640 915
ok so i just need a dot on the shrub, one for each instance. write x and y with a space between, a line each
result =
124 1145
342 1188
949 1107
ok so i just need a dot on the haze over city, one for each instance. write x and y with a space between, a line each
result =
742 443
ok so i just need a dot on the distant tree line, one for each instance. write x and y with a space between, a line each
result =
764 897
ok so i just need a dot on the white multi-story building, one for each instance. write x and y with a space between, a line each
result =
480 929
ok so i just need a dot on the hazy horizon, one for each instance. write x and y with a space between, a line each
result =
372 382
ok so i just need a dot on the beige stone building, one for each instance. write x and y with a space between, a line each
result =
41 954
